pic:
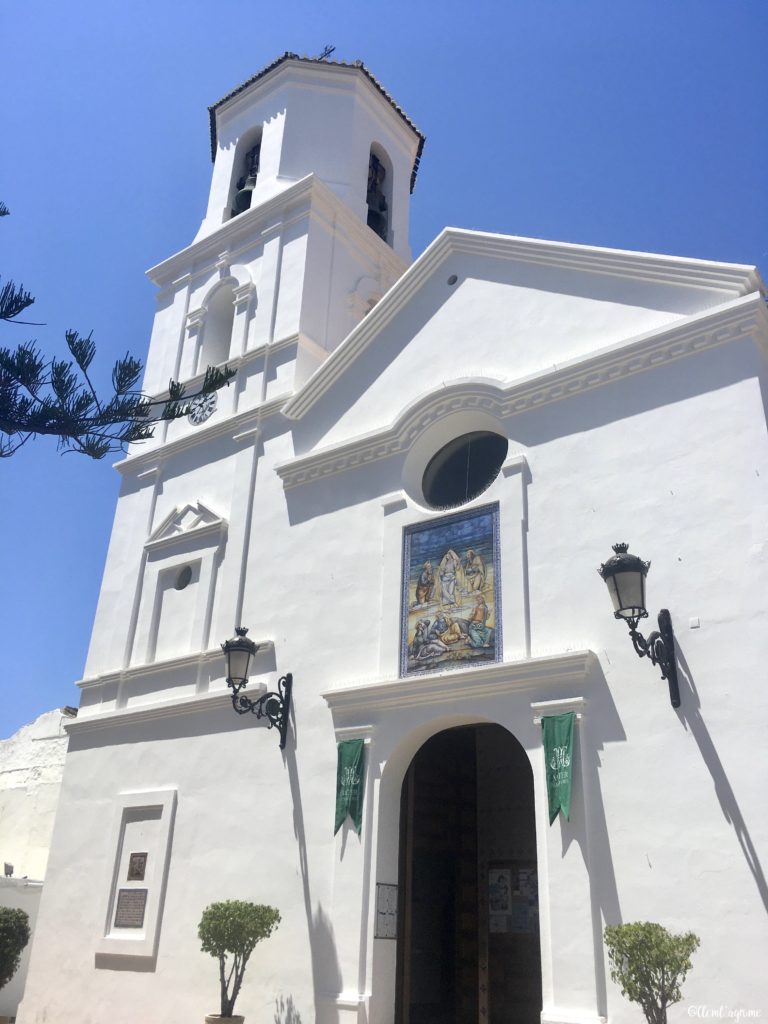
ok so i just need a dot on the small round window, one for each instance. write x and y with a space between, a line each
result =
184 578
463 468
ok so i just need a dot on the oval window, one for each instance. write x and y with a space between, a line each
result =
463 468
184 578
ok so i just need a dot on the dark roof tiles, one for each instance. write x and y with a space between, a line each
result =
358 64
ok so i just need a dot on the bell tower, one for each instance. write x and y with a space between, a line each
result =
305 229
302 116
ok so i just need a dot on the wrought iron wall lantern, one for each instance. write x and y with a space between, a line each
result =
624 575
275 707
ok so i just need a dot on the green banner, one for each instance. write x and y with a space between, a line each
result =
349 784
558 756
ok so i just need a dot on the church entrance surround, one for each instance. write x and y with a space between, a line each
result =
468 946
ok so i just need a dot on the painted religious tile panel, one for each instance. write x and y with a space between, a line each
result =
451 601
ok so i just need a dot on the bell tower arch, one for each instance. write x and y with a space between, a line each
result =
302 116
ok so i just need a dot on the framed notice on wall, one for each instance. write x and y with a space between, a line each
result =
451 593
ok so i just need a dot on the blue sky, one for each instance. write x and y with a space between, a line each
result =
638 125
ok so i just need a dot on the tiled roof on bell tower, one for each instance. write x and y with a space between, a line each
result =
357 65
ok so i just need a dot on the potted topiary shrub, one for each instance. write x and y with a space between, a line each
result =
650 964
232 928
14 936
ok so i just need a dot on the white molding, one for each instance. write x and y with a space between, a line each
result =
541 708
726 323
233 426
259 222
441 687
175 707
733 280
516 463
156 667
209 525
354 732
143 941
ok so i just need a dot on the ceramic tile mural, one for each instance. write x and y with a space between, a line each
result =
451 610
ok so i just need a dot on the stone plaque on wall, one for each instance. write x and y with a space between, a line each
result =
131 904
137 866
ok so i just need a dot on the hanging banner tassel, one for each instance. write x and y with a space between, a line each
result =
558 755
349 784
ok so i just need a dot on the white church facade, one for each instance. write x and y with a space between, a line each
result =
404 495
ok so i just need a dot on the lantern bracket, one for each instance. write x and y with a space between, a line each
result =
659 646
274 706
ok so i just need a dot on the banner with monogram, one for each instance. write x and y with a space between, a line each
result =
558 756
349 784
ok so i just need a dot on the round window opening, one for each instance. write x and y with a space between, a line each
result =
184 578
463 468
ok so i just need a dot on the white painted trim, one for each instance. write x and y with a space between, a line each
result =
354 732
144 942
726 323
440 687
159 539
558 707
733 280
161 709
256 224
231 425
157 667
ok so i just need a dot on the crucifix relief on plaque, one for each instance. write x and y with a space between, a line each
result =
137 867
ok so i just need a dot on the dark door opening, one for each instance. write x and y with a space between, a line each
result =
468 938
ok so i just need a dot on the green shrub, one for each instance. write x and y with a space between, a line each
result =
233 928
650 964
14 936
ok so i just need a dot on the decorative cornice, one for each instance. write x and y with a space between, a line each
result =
215 529
231 233
234 426
441 687
733 280
244 231
726 323
151 712
541 708
188 661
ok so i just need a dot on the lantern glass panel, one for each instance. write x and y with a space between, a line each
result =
628 594
239 660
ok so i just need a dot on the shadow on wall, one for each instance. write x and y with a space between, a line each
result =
326 972
689 713
286 1012
590 829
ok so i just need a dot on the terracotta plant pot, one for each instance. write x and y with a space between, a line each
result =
216 1018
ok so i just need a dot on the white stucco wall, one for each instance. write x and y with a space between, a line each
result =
631 390
31 768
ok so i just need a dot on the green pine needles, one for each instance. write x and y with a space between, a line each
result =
650 965
233 928
14 936
40 396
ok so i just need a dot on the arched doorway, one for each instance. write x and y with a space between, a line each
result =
468 942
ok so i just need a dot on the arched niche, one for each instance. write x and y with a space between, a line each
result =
219 319
245 171
379 193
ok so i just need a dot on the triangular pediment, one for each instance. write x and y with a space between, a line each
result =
494 307
186 521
